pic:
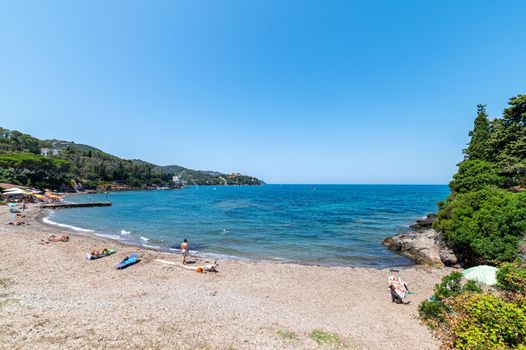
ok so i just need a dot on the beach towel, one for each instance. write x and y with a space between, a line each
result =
128 261
205 267
105 252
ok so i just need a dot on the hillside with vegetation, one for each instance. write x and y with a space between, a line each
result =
67 166
484 217
484 220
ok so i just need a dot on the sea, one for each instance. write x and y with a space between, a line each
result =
333 225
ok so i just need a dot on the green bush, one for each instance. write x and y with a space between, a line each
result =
512 277
473 175
467 319
450 286
435 310
486 322
484 226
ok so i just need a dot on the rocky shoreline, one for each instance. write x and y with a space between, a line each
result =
424 245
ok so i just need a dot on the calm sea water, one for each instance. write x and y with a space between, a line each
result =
317 224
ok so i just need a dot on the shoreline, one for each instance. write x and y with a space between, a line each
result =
52 296
204 255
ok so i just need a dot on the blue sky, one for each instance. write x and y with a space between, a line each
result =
294 91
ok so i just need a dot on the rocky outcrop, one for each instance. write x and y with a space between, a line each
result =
447 255
425 223
425 246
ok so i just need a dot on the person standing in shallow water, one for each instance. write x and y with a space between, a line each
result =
184 250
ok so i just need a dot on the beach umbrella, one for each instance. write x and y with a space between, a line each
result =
483 273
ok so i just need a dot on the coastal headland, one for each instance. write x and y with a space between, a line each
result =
53 298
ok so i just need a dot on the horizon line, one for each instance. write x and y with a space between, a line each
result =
361 184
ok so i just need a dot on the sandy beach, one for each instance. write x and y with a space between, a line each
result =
51 297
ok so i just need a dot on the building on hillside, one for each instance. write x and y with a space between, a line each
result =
178 182
47 151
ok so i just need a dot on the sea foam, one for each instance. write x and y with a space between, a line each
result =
71 227
115 237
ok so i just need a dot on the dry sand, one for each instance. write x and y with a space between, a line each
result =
51 297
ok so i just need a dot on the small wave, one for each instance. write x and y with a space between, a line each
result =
278 258
116 237
124 232
144 238
191 252
218 256
151 246
71 227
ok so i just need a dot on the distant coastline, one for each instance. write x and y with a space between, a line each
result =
69 167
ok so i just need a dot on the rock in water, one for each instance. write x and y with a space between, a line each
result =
420 246
425 246
425 223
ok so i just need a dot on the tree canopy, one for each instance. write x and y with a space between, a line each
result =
478 146
484 218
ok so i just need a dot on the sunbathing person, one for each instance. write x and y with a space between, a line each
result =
398 289
53 238
18 221
98 254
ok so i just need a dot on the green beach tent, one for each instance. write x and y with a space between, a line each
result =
484 274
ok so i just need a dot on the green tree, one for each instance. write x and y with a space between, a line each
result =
478 146
475 174
508 142
34 170
484 226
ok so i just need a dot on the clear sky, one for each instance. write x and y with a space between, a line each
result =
294 91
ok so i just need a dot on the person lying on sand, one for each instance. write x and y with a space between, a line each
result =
16 223
53 238
18 220
99 253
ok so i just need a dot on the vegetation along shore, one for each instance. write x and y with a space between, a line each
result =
67 166
483 221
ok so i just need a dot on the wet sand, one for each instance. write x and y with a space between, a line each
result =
51 297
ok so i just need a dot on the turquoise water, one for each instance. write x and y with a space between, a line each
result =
315 224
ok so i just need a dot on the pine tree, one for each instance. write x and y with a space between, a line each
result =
478 146
511 141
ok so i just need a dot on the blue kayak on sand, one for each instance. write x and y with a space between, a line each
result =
129 260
